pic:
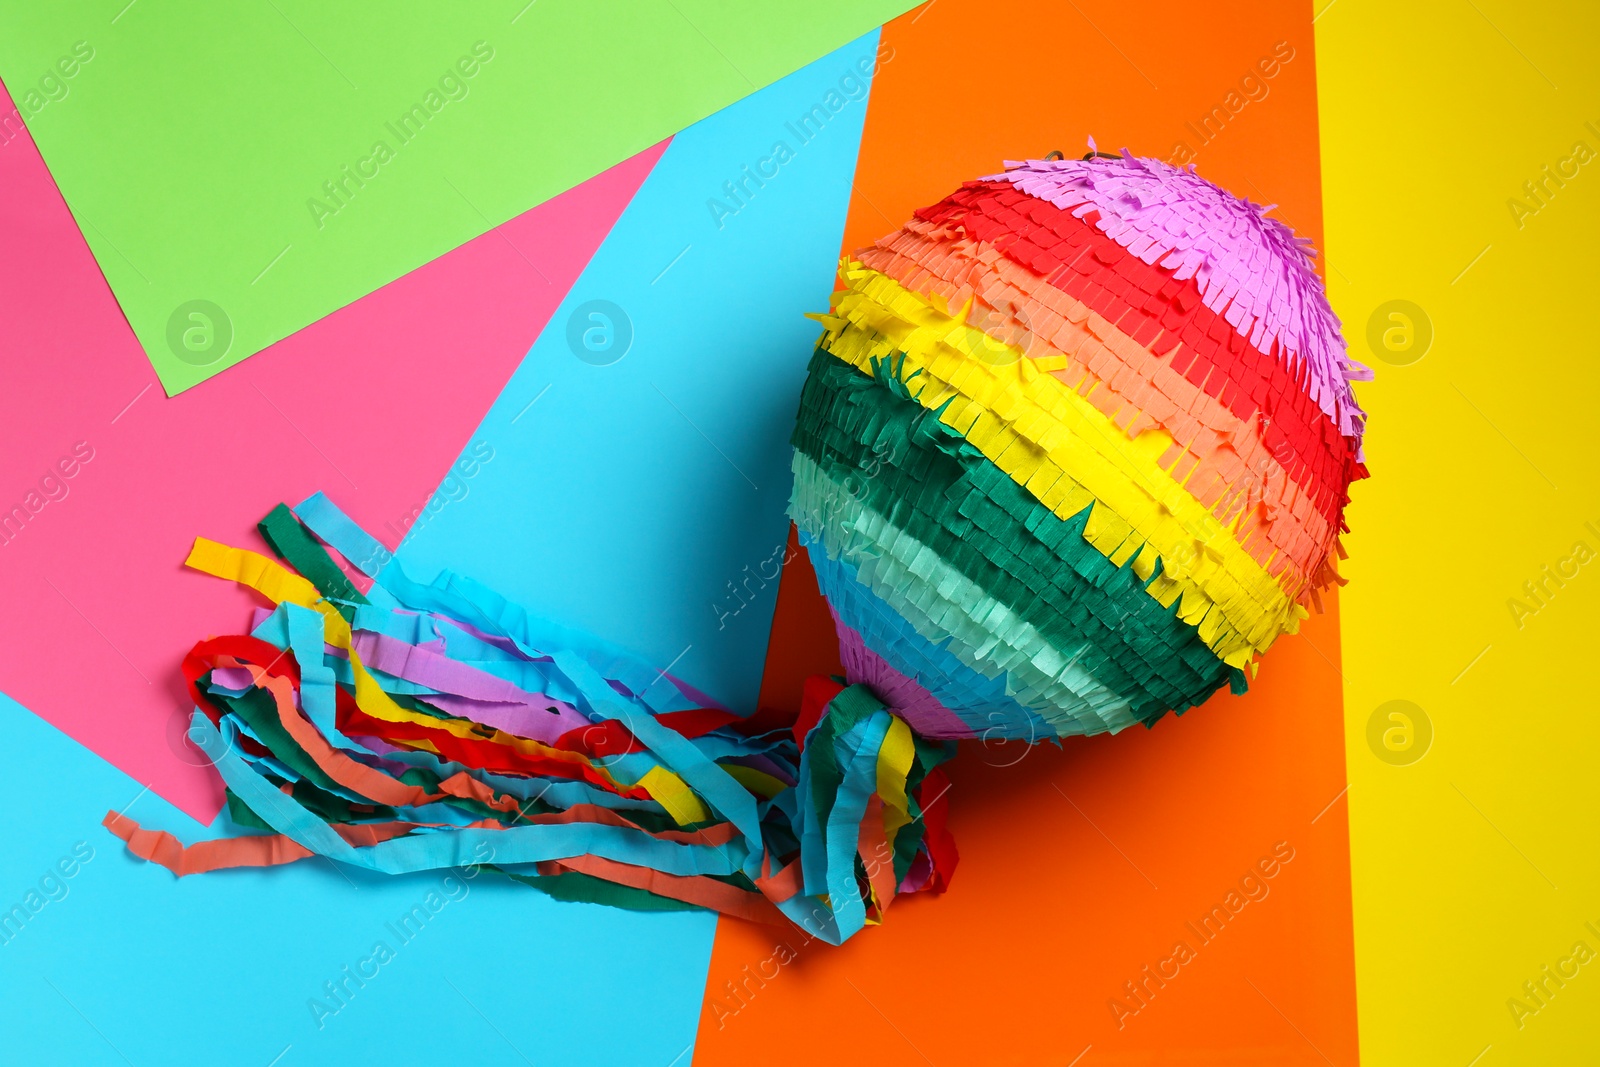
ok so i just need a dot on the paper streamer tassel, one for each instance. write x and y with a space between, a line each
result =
403 726
1075 449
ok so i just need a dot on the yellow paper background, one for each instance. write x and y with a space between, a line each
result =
1479 864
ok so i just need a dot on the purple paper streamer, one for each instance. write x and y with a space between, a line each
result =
466 691
530 720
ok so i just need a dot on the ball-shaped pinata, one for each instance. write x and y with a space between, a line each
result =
1074 449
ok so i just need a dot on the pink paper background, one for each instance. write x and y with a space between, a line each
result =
401 379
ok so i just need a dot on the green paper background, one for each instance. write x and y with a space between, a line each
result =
189 145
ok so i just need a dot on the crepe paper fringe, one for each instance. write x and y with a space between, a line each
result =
943 348
983 703
883 452
1076 446
401 726
1291 542
1252 270
943 605
1063 449
1139 345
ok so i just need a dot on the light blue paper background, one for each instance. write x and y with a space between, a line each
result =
644 501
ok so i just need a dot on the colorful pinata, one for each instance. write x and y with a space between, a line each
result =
1074 449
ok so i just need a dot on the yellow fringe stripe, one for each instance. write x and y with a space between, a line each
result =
1069 456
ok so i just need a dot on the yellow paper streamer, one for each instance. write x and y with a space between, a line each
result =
255 571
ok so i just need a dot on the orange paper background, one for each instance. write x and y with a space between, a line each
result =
1081 865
